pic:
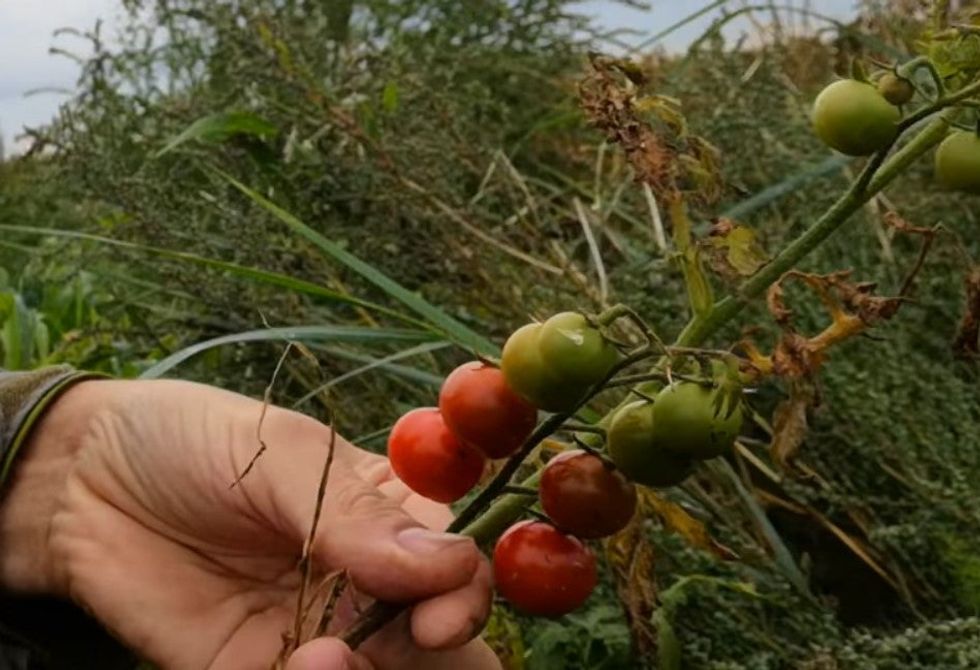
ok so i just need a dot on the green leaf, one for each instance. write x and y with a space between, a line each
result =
699 291
220 127
957 55
668 646
18 333
389 97
453 329
297 333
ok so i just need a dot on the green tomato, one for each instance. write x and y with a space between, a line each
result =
574 351
529 377
854 118
632 447
958 162
896 90
685 421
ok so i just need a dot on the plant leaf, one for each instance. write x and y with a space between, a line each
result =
389 97
220 127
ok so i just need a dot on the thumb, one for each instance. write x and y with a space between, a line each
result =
386 552
326 653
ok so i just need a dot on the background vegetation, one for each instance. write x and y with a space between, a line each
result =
441 143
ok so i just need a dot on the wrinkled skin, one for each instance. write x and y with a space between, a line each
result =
121 501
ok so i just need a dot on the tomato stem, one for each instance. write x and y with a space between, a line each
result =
908 69
520 490
584 428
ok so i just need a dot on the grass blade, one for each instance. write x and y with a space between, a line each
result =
298 333
452 328
786 187
374 364
781 554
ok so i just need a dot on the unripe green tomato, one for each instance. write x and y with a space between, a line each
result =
574 351
853 118
685 422
631 446
958 162
896 90
528 376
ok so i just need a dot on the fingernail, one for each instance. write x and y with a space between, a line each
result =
425 541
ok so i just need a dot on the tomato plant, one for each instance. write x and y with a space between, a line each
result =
428 458
632 447
958 162
854 118
482 410
541 571
586 496
688 420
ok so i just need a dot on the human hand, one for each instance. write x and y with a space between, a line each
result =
122 502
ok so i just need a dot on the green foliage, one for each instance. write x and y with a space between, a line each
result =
591 638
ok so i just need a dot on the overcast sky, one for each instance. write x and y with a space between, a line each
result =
27 27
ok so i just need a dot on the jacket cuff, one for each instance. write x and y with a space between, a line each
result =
24 396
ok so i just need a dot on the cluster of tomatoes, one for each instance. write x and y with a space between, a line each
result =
543 567
858 119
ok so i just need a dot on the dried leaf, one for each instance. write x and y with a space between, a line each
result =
677 520
776 303
967 342
630 557
745 254
653 133
789 422
735 251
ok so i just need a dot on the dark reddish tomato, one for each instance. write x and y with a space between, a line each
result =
585 496
541 571
483 411
426 455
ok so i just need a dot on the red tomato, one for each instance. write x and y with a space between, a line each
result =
426 455
541 571
484 412
586 496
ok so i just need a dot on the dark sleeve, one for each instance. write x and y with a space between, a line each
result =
43 633
23 398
